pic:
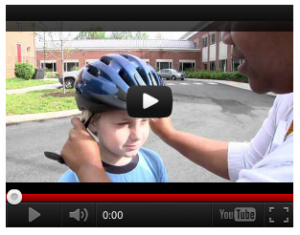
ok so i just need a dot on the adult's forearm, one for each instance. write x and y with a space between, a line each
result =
208 153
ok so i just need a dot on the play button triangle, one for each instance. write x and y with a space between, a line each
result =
148 101
33 215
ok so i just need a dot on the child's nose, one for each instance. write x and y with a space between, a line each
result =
136 134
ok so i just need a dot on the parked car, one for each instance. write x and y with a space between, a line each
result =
70 78
171 74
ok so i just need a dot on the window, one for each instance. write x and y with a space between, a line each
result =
19 26
212 66
221 36
204 41
196 43
183 66
222 65
235 64
213 39
69 65
164 65
205 67
50 66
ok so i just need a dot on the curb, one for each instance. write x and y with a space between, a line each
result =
17 119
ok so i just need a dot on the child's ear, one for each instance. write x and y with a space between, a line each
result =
93 126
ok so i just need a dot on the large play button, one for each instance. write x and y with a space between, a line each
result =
149 101
33 215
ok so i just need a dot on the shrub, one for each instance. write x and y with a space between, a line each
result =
206 74
220 75
51 75
234 76
237 76
75 68
24 70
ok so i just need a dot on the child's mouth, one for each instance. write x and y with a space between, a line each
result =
132 147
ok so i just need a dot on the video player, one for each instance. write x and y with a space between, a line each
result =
166 122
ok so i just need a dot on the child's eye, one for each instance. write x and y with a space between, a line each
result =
123 124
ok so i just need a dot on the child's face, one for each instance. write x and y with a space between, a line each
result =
121 134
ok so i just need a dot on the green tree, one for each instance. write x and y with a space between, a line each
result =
120 35
140 35
95 32
128 35
91 35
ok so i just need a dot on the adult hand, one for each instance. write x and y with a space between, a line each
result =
162 127
81 152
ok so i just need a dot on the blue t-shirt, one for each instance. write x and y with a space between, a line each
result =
147 166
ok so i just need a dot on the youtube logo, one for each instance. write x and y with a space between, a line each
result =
149 101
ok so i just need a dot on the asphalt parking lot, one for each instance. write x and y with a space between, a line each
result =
208 109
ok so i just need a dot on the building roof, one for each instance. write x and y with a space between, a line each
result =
188 35
158 44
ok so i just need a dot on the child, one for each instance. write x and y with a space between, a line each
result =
101 95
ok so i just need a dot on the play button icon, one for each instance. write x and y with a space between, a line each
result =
149 101
33 215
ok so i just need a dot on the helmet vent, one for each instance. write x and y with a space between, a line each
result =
93 70
143 75
125 77
152 79
106 60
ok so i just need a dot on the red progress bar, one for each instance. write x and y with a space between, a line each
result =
157 197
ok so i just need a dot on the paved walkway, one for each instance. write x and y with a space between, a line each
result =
35 88
15 119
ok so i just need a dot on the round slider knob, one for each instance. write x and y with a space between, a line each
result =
14 197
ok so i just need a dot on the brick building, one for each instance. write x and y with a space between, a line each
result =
20 47
161 54
215 55
201 49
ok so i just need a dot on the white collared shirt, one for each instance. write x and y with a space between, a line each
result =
268 157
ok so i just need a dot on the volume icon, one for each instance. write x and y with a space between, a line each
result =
79 215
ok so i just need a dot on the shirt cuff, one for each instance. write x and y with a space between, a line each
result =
236 152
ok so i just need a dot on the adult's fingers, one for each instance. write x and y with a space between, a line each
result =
78 125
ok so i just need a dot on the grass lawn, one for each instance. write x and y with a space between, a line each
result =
40 102
18 83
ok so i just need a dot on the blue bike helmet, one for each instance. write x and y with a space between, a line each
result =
105 83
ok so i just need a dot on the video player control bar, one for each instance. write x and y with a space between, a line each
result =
149 214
